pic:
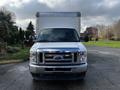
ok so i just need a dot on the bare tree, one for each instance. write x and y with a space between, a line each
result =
101 31
116 30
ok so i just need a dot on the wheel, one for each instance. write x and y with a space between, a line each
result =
35 77
82 76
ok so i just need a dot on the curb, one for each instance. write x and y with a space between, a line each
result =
11 61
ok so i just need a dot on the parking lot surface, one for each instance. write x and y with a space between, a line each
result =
103 74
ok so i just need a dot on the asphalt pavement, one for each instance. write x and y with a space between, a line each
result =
103 74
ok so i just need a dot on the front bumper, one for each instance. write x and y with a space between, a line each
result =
36 69
40 71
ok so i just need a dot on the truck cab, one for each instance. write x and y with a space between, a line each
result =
58 52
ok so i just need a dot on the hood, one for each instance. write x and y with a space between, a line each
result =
59 45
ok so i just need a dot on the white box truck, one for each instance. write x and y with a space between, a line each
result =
58 52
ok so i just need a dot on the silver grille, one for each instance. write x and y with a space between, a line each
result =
58 58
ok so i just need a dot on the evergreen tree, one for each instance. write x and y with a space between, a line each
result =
21 35
6 25
13 37
27 34
30 28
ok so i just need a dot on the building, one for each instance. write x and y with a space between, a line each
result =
92 33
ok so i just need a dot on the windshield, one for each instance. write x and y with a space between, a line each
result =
58 35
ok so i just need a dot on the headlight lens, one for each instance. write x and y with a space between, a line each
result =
82 56
33 57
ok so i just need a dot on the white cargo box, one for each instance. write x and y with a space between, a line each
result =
57 20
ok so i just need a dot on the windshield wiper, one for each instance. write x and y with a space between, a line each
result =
55 41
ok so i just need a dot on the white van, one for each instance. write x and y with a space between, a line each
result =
58 52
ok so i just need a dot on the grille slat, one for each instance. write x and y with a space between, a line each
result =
41 57
65 61
75 57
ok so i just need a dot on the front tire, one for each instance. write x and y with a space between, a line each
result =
35 77
82 75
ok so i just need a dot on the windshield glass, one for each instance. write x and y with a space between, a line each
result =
58 35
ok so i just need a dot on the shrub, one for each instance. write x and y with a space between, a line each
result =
13 49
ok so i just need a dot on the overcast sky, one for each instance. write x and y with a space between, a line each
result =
93 11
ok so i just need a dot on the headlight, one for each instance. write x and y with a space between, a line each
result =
82 56
33 57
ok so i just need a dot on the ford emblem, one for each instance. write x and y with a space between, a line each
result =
58 57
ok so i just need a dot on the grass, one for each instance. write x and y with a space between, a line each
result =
21 55
112 44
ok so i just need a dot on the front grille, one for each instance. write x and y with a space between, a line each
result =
58 58
65 55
